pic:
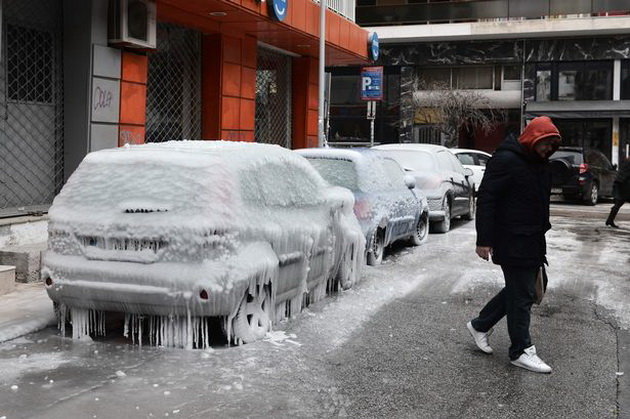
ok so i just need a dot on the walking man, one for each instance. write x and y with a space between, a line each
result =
621 191
512 219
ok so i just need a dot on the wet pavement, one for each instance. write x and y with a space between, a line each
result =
394 346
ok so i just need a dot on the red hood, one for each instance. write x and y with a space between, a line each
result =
539 128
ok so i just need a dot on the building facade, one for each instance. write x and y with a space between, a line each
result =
219 69
567 60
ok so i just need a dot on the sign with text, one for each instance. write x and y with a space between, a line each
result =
372 83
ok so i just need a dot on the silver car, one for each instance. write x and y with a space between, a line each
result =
177 233
446 183
386 204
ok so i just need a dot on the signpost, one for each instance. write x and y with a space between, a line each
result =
371 91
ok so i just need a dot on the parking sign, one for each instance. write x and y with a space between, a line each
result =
372 83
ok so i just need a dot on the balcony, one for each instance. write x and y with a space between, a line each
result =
483 10
345 8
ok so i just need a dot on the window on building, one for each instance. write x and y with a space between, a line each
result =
473 77
30 64
543 85
625 79
345 89
585 81
435 76
511 72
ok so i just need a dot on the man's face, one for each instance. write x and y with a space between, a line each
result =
545 147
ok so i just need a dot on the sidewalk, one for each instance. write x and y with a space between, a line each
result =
25 310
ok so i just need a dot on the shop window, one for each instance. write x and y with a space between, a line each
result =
345 89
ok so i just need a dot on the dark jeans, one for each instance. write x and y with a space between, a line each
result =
515 301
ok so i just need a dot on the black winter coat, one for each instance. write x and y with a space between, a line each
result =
513 206
621 187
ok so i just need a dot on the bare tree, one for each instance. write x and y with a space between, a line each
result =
451 110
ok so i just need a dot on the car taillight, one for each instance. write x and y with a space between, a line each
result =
583 168
362 209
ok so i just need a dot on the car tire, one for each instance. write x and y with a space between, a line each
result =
377 248
347 275
421 231
470 215
593 194
254 316
444 225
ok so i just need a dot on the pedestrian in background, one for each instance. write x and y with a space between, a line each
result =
621 191
512 219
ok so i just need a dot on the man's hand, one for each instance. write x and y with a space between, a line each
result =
484 252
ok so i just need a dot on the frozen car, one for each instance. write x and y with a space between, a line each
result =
446 183
386 204
474 160
178 234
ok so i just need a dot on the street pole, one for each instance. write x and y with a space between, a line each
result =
321 136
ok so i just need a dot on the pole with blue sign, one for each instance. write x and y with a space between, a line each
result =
371 91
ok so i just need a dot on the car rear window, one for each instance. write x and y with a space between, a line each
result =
413 160
573 157
337 172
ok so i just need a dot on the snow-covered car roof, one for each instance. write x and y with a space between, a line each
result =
189 176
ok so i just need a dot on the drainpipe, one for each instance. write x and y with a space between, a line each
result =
321 136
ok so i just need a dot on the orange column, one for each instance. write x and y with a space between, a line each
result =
305 102
133 98
229 87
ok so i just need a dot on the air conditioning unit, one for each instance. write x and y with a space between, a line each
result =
132 23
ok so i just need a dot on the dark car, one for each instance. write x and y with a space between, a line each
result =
584 175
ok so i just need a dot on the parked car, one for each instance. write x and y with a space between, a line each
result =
174 234
386 204
474 160
579 174
446 183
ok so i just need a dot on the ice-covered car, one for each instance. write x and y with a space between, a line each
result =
178 234
446 183
386 204
474 160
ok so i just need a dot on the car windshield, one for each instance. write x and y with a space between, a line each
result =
337 172
413 160
573 157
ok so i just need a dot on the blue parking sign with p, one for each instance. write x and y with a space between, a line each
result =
372 83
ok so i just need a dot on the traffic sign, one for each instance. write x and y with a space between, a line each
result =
372 83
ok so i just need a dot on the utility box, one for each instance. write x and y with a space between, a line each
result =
7 279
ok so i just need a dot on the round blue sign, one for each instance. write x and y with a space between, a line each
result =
373 46
278 8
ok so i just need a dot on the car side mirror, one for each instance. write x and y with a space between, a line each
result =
468 172
614 167
410 181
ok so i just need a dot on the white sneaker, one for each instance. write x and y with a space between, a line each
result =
481 338
530 361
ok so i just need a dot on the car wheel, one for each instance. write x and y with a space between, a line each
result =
375 255
593 196
421 231
470 215
346 275
254 316
444 225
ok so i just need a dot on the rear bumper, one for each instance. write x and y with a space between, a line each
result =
155 289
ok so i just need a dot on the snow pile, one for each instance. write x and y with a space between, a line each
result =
176 232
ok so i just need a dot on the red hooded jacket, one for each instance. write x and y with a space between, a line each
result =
538 129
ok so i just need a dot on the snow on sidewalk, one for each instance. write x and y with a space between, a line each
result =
25 310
